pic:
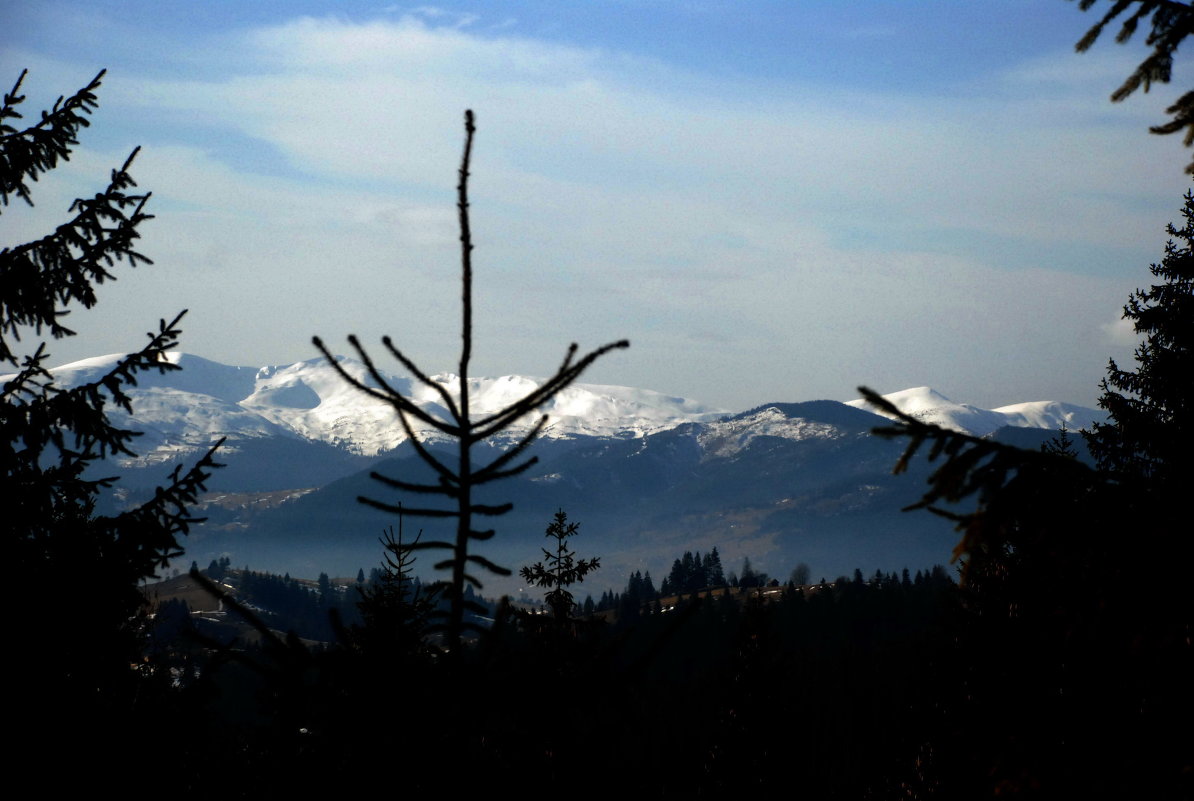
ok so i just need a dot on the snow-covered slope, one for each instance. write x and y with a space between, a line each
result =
728 438
311 399
930 406
186 409
823 420
189 408
1051 414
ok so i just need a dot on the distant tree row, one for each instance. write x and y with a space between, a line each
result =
217 569
693 573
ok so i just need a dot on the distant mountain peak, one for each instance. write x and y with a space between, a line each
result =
930 406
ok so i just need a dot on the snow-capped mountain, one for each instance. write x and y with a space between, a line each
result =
186 409
930 406
309 401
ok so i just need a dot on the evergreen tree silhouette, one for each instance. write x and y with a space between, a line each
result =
394 608
1062 444
79 641
457 482
560 568
714 573
1150 435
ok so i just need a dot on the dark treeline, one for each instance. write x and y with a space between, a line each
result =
694 574
843 679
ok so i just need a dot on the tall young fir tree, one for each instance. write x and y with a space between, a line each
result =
77 642
458 481
394 607
560 568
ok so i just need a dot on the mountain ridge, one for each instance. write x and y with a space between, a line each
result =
649 474
188 408
310 400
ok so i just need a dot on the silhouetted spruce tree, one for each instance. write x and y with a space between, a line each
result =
690 572
647 588
1062 444
77 639
394 608
748 578
714 573
1171 23
677 580
1053 557
458 481
1149 437
560 568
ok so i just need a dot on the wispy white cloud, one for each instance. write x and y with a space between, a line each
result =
1121 332
455 19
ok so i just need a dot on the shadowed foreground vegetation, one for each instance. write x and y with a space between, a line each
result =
833 690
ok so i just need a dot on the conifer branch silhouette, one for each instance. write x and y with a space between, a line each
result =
1171 22
457 482
992 471
93 659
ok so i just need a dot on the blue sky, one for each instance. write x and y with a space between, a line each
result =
772 201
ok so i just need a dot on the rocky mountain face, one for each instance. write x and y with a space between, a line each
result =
647 475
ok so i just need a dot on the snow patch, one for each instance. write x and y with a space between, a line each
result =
727 438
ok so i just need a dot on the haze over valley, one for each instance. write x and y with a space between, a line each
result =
647 474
